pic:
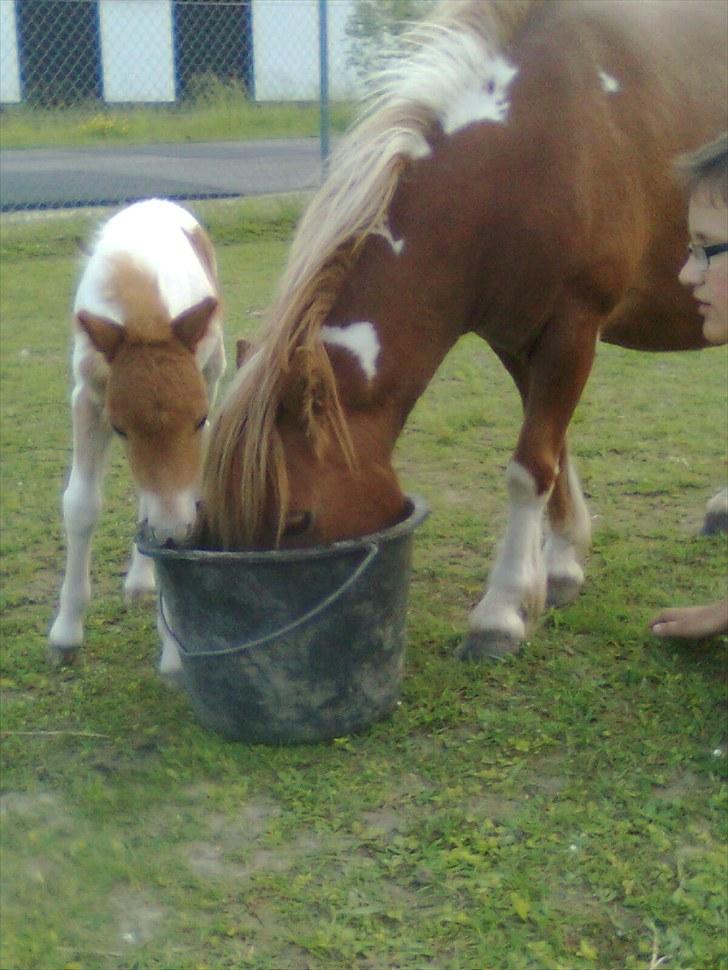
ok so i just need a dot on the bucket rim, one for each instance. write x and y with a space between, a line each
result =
417 512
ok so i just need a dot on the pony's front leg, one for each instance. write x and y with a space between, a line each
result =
569 536
551 382
517 586
81 508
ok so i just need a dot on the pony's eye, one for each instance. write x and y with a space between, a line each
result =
121 434
299 523
201 423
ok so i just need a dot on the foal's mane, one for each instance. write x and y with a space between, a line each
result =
245 458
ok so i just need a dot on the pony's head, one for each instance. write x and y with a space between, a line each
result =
157 402
290 462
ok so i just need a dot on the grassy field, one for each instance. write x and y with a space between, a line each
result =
218 113
564 809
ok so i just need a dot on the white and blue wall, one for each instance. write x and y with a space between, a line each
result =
145 51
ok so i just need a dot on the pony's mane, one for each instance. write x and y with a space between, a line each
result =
245 458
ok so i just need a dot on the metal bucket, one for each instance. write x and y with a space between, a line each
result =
291 645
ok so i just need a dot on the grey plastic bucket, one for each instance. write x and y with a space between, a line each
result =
291 645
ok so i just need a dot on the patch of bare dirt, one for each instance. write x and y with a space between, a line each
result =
138 917
44 809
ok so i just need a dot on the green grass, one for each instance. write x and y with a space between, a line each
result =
217 113
564 809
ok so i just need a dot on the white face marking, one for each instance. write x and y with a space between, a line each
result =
360 339
610 84
485 101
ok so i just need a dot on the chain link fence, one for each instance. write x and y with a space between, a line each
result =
92 67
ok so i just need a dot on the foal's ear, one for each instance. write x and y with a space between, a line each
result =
106 336
191 326
242 349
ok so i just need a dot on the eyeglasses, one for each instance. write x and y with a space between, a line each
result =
703 254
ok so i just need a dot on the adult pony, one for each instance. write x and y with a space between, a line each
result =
147 356
512 178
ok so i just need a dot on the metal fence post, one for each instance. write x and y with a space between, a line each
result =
324 80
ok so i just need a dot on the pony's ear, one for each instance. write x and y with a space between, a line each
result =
242 349
191 325
106 336
305 395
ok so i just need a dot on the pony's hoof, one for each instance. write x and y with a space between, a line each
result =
562 590
61 656
487 645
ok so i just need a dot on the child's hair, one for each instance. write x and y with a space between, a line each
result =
707 167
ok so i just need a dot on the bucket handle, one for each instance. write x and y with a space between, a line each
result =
283 631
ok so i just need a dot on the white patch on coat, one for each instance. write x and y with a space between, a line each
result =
154 234
360 339
386 233
485 101
610 84
453 73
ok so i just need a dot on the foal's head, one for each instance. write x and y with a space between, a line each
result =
156 401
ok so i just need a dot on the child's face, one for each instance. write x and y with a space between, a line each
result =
708 221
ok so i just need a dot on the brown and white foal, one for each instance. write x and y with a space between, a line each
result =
147 357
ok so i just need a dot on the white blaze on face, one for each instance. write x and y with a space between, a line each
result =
360 339
485 100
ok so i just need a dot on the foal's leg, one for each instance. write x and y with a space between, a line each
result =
569 535
558 367
140 581
81 507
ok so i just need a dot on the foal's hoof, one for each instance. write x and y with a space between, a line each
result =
172 679
487 645
61 656
715 522
562 590
716 514
139 595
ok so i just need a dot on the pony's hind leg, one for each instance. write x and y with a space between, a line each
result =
550 382
81 507
568 537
